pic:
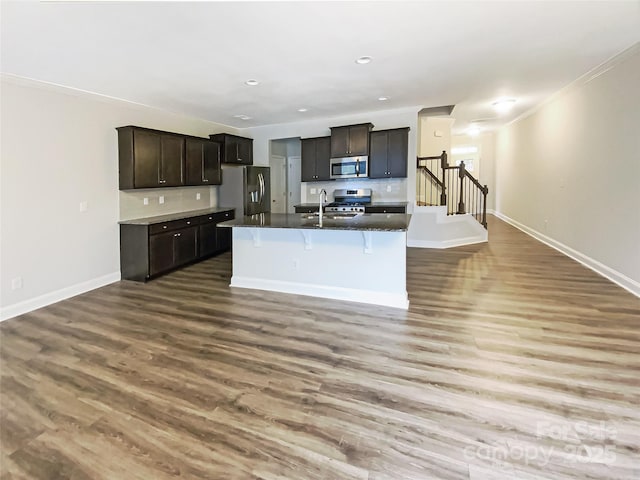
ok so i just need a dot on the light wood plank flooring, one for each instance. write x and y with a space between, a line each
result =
513 362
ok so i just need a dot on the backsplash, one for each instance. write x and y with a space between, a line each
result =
384 189
175 200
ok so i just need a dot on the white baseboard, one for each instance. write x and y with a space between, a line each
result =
616 277
396 300
27 306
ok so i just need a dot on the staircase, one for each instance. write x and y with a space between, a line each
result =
439 183
451 206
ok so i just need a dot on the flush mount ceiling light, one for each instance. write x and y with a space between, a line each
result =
383 99
363 60
504 105
242 117
252 82
302 110
473 130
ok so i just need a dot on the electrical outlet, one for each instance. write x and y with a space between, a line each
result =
198 196
161 199
388 188
312 191
145 201
16 283
84 206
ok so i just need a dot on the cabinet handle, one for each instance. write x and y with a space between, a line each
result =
164 226
188 223
210 218
205 179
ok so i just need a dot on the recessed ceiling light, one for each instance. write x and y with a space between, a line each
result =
302 110
252 82
383 99
504 105
363 60
242 117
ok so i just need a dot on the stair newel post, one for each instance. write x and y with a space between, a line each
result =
443 166
461 172
485 191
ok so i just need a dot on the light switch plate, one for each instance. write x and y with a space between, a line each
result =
198 196
313 191
145 201
16 283
84 206
161 199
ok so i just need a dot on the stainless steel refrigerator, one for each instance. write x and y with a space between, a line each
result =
245 188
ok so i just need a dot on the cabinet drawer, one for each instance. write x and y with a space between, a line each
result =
390 209
307 209
172 225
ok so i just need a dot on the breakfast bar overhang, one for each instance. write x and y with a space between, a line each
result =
358 258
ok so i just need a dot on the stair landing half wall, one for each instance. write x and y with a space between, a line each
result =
431 227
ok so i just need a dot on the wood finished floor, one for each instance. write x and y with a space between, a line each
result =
513 362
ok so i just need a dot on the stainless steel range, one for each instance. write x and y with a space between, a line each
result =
349 200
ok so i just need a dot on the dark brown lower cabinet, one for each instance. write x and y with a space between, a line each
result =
224 239
147 251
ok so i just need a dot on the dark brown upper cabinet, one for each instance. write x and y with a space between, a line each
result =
203 162
350 140
388 153
150 158
316 153
235 149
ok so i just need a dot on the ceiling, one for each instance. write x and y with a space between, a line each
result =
195 58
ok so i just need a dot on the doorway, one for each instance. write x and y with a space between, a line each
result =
285 163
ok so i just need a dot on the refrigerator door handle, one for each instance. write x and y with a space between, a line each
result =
261 180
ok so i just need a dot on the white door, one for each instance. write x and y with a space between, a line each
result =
278 166
294 185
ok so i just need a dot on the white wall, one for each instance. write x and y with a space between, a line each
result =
435 135
406 117
571 171
59 148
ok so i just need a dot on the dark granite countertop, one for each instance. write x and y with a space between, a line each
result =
388 204
372 204
174 216
380 222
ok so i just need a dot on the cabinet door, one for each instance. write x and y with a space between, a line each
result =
185 246
397 153
323 157
195 156
212 170
207 239
146 159
358 140
172 161
308 160
378 155
245 151
160 252
339 141
202 162
224 234
231 149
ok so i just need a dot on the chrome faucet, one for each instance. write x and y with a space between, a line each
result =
323 193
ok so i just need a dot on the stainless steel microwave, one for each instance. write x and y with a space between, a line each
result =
350 167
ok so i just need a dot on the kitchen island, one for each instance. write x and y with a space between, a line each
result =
358 258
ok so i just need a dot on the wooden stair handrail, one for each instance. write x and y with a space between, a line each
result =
462 174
